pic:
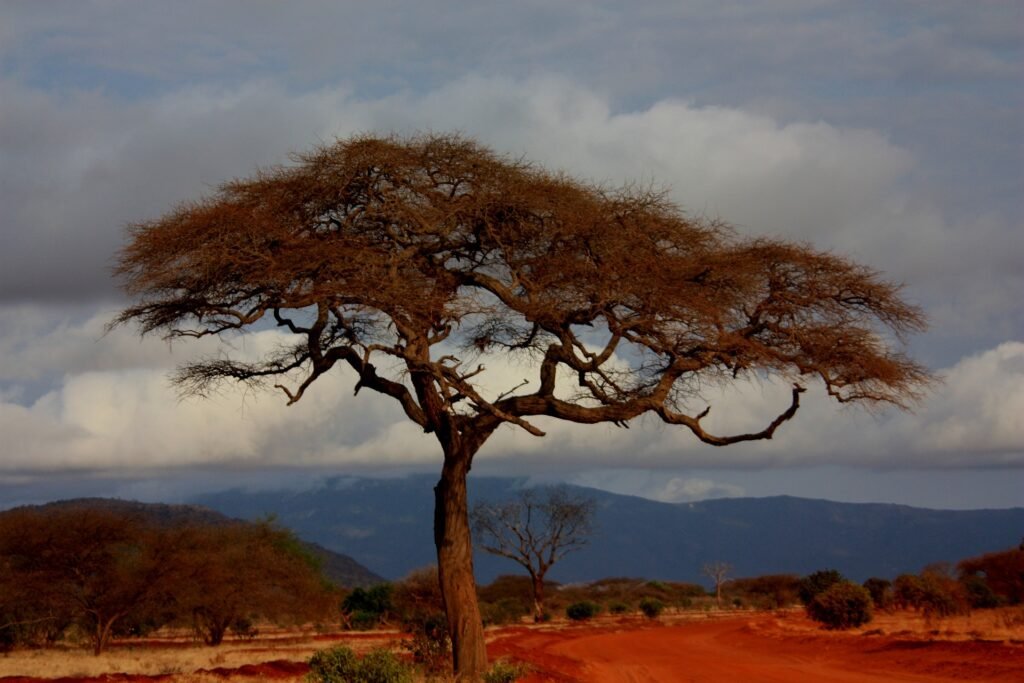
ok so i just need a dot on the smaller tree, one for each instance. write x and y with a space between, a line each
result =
718 572
535 530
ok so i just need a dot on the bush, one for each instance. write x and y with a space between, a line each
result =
651 608
933 594
506 672
430 644
362 621
618 608
841 606
908 591
504 611
341 665
581 611
772 591
979 594
364 606
818 582
880 591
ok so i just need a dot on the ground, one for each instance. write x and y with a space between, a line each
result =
748 646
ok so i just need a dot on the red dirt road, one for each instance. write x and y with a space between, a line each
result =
755 650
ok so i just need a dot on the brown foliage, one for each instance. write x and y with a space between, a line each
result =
1002 572
92 567
383 247
392 255
771 591
226 576
109 572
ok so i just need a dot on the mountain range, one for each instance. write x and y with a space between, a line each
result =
386 525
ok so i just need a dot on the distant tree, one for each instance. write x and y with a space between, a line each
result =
535 529
1002 572
719 573
908 591
934 593
404 259
880 591
817 582
368 606
771 591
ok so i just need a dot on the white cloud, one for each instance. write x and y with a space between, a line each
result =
657 485
102 416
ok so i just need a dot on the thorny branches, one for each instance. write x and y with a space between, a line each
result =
402 258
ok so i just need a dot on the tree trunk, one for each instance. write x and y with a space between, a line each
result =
455 569
538 597
102 635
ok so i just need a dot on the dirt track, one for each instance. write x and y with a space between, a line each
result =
758 649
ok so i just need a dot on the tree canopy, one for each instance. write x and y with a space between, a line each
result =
380 249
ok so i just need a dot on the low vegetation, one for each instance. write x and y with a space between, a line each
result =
842 605
342 665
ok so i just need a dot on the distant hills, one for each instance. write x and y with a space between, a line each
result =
337 567
386 524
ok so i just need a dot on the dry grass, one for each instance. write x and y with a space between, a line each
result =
186 659
1002 624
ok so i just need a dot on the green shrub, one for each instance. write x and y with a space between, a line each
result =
841 606
504 611
979 594
651 608
506 672
581 611
818 582
341 665
618 608
430 644
362 621
366 608
908 591
881 592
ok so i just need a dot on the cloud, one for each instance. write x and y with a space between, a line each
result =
104 415
81 165
657 485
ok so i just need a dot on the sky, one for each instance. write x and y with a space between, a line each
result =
889 132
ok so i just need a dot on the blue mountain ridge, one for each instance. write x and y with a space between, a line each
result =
386 524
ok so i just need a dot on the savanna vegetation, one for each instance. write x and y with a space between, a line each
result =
92 574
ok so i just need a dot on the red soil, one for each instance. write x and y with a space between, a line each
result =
755 649
760 648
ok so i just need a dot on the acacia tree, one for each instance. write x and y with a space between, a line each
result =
404 259
225 575
90 566
534 530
